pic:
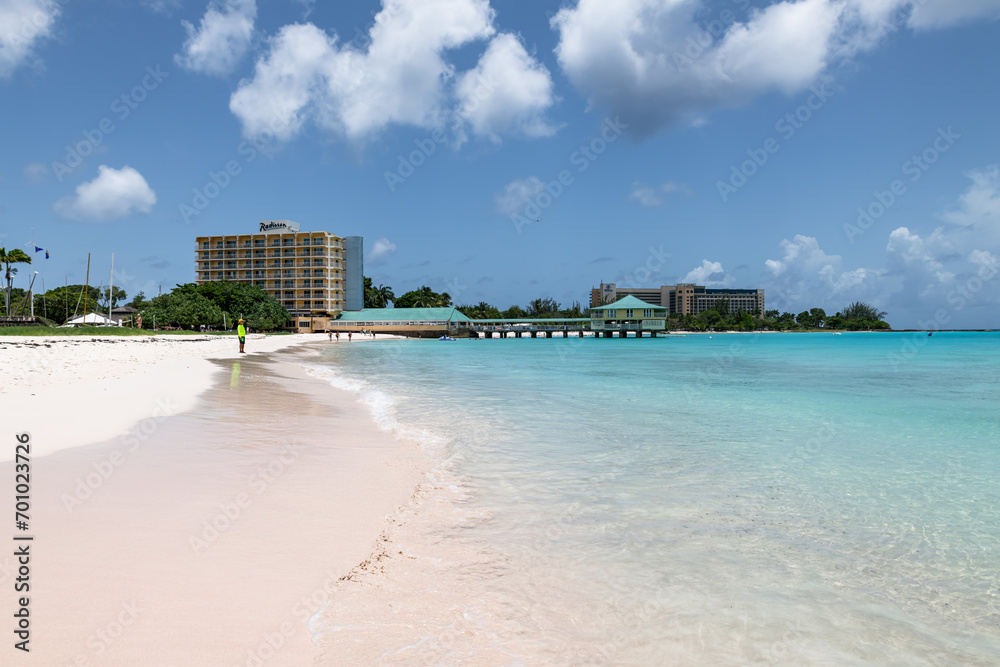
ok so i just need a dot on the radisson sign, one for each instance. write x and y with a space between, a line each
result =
278 226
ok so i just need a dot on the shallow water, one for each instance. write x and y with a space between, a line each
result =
733 499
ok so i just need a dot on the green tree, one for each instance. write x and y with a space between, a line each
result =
424 297
480 311
118 297
543 308
139 301
15 256
377 297
61 303
863 311
515 312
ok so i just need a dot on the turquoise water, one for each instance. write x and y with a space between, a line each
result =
733 499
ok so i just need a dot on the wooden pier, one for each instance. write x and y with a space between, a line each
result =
521 330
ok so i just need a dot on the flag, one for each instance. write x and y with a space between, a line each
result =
46 254
38 250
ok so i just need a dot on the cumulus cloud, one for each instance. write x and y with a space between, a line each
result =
710 274
507 92
23 23
517 194
653 195
115 193
663 62
807 277
401 76
381 249
945 277
221 39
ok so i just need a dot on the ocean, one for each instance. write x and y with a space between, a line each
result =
726 499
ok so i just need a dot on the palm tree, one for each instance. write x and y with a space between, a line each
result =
15 256
384 295
426 298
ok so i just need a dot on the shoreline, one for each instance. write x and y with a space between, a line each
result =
222 531
97 388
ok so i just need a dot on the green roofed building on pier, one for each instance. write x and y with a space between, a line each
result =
628 314
414 322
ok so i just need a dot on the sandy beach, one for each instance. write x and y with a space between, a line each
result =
190 505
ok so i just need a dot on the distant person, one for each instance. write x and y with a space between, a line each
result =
329 335
348 336
241 333
338 336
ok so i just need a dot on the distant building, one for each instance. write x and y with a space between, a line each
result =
315 275
683 298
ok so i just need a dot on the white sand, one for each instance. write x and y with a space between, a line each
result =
212 539
69 391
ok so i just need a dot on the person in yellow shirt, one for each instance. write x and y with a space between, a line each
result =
241 332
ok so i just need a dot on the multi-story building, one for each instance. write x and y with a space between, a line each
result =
315 275
683 298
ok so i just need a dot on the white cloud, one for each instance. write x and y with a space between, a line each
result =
517 194
980 205
115 193
664 62
807 277
221 39
507 92
381 249
710 274
23 23
653 195
401 77
951 270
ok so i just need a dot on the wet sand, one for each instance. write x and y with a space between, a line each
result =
213 536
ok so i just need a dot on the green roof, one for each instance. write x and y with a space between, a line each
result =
628 302
403 315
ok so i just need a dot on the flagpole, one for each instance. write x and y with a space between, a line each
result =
111 288
86 291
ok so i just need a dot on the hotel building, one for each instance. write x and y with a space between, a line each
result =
682 299
315 275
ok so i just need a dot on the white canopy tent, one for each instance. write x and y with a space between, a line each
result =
92 319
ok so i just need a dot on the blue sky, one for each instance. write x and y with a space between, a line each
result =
825 150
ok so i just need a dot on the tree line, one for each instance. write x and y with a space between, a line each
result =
858 316
213 304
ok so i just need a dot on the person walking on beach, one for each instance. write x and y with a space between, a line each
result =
338 336
348 336
241 333
330 335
